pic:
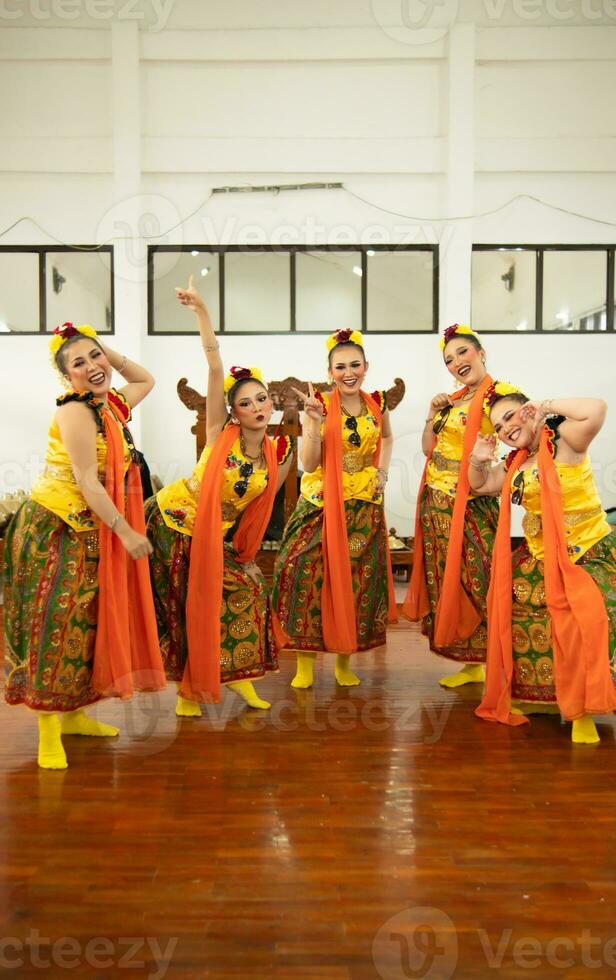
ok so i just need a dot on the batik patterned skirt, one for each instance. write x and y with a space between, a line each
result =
480 520
298 575
50 611
247 646
533 665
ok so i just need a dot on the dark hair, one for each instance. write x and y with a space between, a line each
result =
346 343
515 396
233 393
475 341
61 355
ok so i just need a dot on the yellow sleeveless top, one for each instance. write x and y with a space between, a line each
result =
443 469
56 487
359 476
585 519
178 501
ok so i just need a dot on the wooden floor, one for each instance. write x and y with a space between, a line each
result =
382 831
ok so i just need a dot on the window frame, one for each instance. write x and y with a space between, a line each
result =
42 251
292 251
540 251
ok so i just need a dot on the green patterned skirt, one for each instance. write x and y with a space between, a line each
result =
50 611
481 518
298 575
533 665
247 646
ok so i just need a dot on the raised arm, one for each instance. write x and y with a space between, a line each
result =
484 477
216 405
139 382
311 430
427 436
78 432
387 445
584 417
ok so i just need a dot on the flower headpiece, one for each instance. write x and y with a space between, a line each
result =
498 389
64 333
345 336
457 330
241 374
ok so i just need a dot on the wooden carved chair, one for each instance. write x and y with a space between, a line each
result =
286 401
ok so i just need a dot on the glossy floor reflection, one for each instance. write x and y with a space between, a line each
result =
379 831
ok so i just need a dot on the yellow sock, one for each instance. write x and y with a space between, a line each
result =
246 690
51 754
584 731
78 723
470 674
187 709
305 670
344 675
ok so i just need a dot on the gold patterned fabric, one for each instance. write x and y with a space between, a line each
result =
178 501
443 470
56 487
533 664
359 476
585 520
248 648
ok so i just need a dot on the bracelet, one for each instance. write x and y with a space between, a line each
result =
480 465
122 365
207 349
383 473
430 419
115 521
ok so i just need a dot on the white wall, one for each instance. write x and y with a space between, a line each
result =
112 130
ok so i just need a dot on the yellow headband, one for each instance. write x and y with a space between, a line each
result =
457 330
345 336
498 389
64 333
242 374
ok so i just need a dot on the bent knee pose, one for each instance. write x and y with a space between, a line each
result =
332 582
552 604
454 531
78 611
212 605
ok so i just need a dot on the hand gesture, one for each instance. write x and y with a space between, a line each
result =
484 450
312 406
136 544
438 402
190 297
534 412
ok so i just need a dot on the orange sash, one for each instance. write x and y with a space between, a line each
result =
126 651
337 600
456 616
580 631
201 680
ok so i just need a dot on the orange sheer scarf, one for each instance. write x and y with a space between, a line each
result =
126 652
337 600
201 680
580 631
456 617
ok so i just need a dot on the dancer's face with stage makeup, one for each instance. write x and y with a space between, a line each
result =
348 366
252 406
86 367
510 427
465 361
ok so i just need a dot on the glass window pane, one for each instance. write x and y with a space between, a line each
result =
78 289
503 289
400 290
171 269
257 292
328 290
574 290
19 292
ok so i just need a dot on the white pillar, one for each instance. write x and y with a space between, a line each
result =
457 237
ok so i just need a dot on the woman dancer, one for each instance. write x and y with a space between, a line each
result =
332 583
552 605
214 617
79 616
454 531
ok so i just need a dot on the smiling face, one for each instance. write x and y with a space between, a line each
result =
465 361
509 427
85 366
348 367
251 405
